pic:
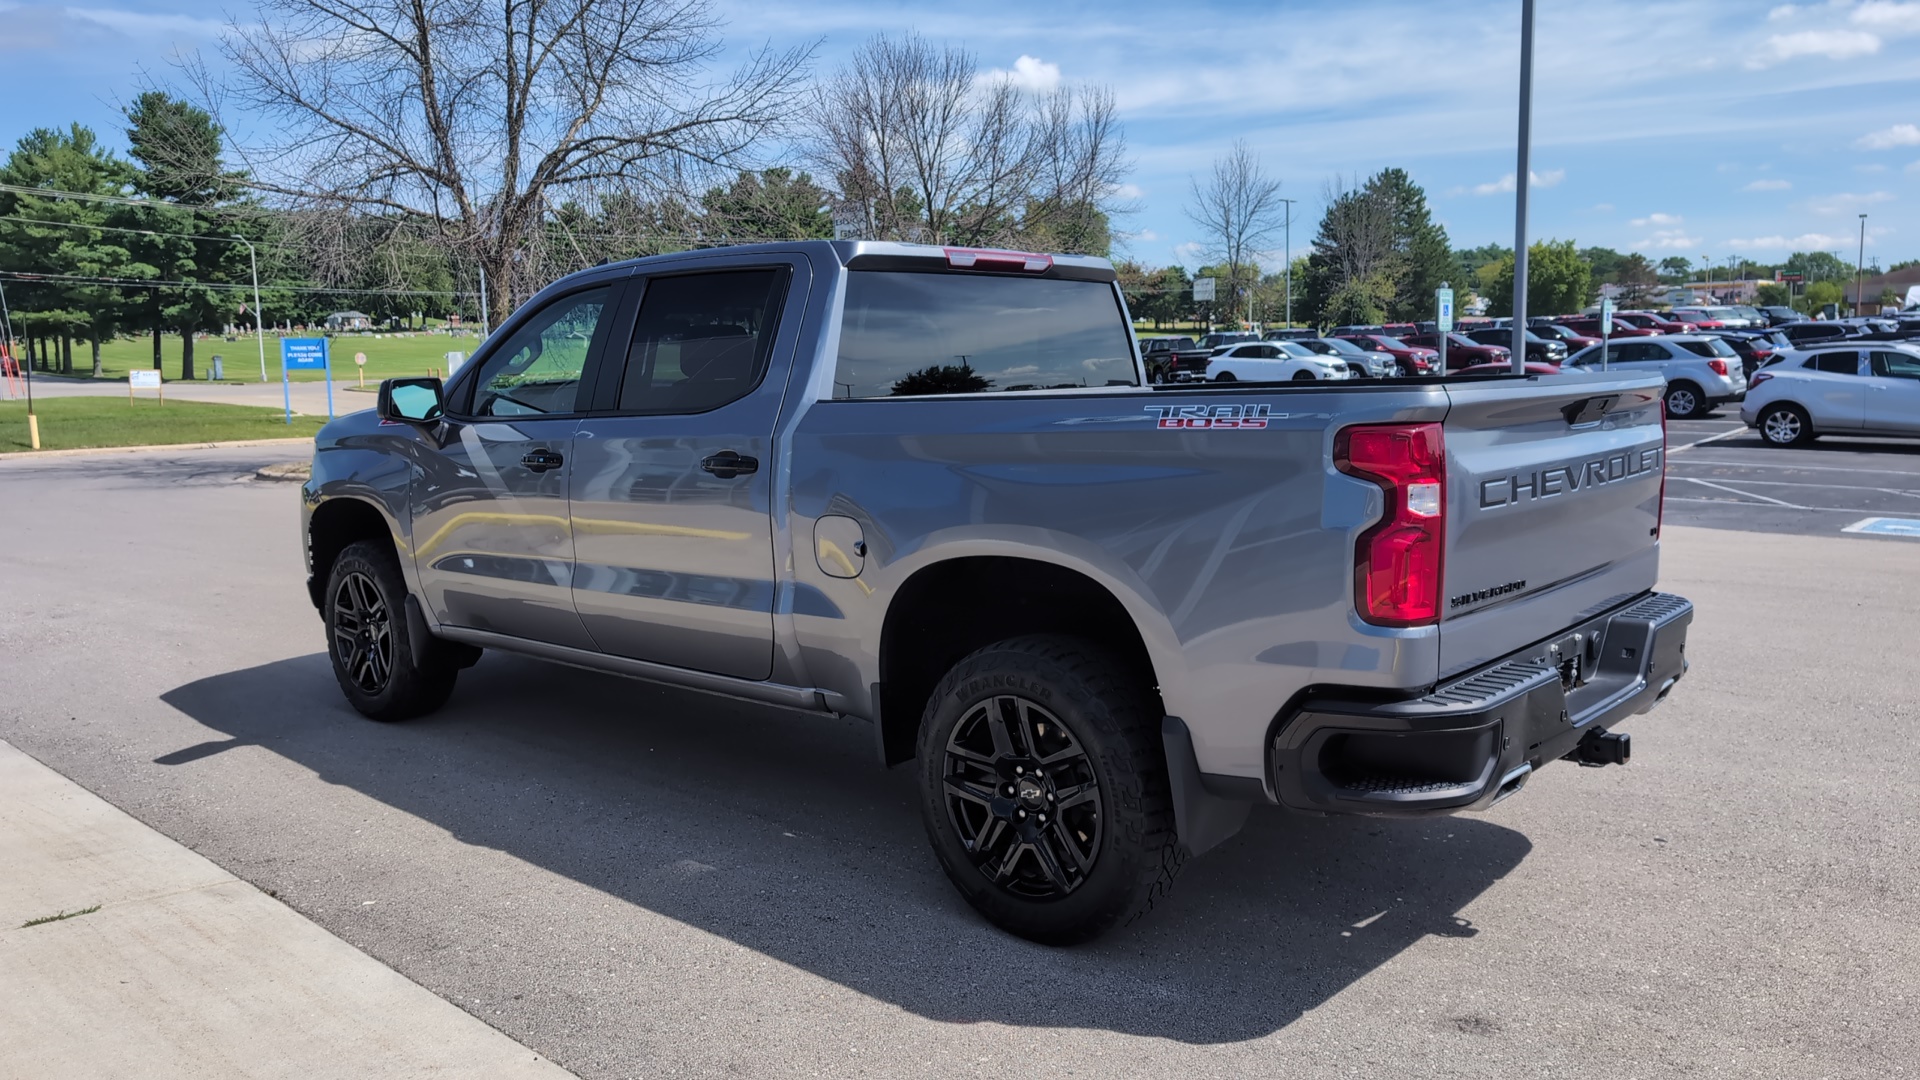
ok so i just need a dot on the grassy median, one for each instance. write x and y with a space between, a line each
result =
388 355
72 423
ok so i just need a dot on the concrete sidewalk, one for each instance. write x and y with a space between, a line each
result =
187 971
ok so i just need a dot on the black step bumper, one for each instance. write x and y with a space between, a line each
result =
1475 739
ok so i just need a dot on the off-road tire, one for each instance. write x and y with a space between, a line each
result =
407 690
1115 718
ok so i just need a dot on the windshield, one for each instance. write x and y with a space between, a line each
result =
1294 348
1338 346
916 333
1391 342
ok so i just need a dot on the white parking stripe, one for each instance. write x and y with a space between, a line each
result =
1742 494
1764 506
1822 487
1708 439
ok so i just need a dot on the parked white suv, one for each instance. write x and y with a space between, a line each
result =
1702 371
1867 388
1275 361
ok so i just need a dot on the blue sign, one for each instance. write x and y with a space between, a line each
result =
1907 527
1446 309
302 354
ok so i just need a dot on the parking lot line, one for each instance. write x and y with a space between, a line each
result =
1708 439
1765 506
1797 484
1905 528
1791 466
1743 494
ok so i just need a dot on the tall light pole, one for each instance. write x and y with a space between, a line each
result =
1289 258
259 317
1859 268
1522 173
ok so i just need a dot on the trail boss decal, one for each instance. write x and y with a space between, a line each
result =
1215 417
1568 479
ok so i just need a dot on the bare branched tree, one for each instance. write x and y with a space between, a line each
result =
477 119
922 147
1238 211
1357 234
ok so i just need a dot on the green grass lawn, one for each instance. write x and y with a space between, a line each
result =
74 422
387 356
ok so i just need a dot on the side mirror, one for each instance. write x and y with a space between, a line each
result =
411 401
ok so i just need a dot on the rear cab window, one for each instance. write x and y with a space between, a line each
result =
907 333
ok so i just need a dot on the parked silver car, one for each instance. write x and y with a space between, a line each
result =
1870 388
1702 371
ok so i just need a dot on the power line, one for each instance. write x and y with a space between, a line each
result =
154 283
140 232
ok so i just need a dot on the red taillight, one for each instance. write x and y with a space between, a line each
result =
992 259
1758 378
1719 366
1397 562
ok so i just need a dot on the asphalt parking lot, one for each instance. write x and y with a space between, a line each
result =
1723 476
643 882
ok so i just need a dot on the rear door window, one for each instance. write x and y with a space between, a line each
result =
1836 363
1896 365
904 334
701 340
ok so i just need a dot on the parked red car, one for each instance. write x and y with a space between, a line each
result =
1658 323
1589 325
1575 342
1413 360
1462 351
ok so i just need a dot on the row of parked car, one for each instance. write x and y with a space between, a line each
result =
1707 354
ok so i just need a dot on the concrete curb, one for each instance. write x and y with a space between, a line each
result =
158 446
179 969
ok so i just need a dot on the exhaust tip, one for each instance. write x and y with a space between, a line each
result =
1599 748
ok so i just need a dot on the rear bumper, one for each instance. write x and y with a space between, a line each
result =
1475 739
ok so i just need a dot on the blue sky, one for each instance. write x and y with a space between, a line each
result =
1690 127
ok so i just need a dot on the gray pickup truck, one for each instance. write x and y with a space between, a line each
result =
931 488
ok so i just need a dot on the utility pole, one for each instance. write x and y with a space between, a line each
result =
1859 267
1289 258
259 332
1522 173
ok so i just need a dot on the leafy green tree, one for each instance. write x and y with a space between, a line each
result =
1675 269
1819 266
777 204
1360 301
1821 293
69 237
177 146
1903 264
1421 253
1636 277
941 379
1773 294
1559 281
1889 299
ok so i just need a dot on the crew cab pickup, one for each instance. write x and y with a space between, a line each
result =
932 489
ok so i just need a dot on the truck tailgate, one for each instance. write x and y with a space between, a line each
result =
1553 504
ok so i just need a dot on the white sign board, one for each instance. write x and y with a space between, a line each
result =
360 358
454 360
1445 296
1606 313
1202 289
143 380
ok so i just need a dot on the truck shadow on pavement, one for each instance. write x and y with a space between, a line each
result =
777 831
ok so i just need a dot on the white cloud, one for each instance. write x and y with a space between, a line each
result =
1803 242
1605 207
1784 11
1147 235
1189 252
1505 183
1888 138
1656 219
1670 239
1031 73
1888 16
1768 185
1128 192
1848 202
1832 44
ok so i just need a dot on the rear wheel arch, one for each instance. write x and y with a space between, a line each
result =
335 524
949 609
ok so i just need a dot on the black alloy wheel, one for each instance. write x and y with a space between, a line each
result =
363 632
382 670
1023 797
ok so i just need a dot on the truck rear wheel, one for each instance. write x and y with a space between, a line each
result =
1044 789
370 642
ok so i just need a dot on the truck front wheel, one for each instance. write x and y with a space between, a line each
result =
1044 789
370 643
